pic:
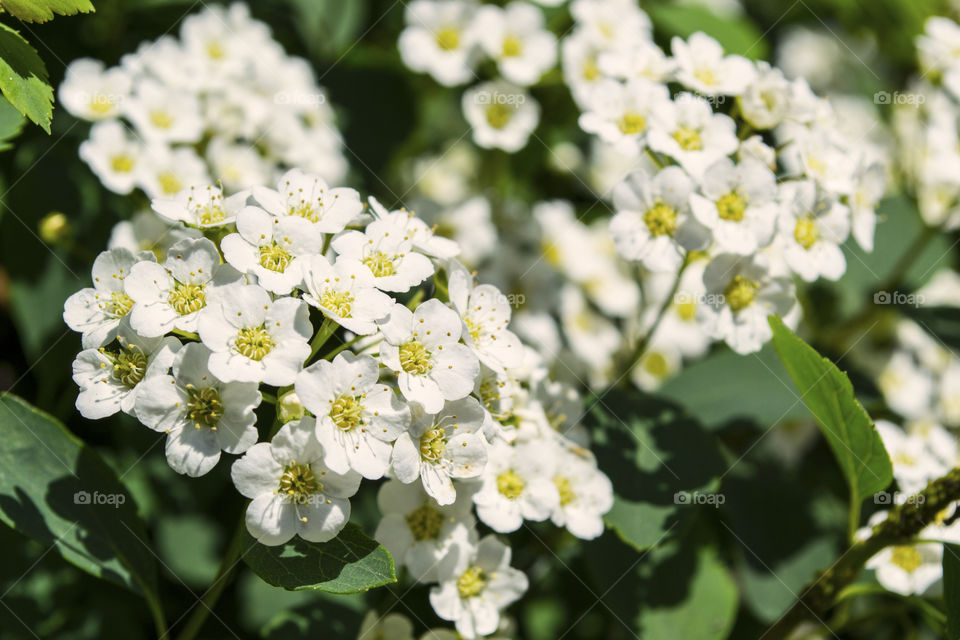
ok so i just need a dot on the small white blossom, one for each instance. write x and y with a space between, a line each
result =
308 196
346 293
201 206
515 37
114 155
439 39
385 247
703 67
813 226
516 486
502 115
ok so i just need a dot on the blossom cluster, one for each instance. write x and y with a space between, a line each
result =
927 121
428 386
222 100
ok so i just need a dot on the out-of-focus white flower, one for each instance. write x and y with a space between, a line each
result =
516 38
502 115
813 226
92 93
114 155
440 39
621 113
703 67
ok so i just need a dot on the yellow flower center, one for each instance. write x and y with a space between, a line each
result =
656 365
254 343
414 358
216 50
380 264
806 233
118 305
274 257
473 328
304 210
740 293
590 70
169 183
425 523
686 310
129 365
186 298
122 163
565 489
299 482
347 412
100 106
471 582
204 406
731 207
510 484
498 115
212 214
706 76
448 38
688 138
907 558
432 445
632 123
339 302
661 219
512 46
161 119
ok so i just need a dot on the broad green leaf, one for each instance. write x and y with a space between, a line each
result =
57 490
23 78
737 33
828 394
951 589
36 305
11 123
349 563
43 10
194 563
712 389
652 454
708 610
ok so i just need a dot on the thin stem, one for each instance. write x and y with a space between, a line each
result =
350 343
640 349
327 329
224 574
268 397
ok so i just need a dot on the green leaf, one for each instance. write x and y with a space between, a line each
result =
350 563
951 589
828 394
36 305
706 389
43 10
329 26
738 34
194 564
23 78
57 490
11 123
652 453
316 619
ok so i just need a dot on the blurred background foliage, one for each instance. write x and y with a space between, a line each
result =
710 576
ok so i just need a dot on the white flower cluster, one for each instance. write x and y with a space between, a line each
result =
449 38
437 395
223 100
927 125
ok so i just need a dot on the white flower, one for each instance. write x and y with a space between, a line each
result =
516 38
114 155
766 100
92 93
906 387
308 196
908 569
357 419
200 415
417 531
439 39
422 348
146 231
96 311
813 226
501 115
702 66
475 585
871 185
914 465
516 486
386 248
163 114
621 113
110 378
172 295
239 166
423 238
472 228
201 206
643 59
585 494
741 293
738 204
346 293
254 339
611 24
485 312
438 448
653 224
690 132
579 53
164 172
292 492
272 249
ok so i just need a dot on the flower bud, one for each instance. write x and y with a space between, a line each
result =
289 408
